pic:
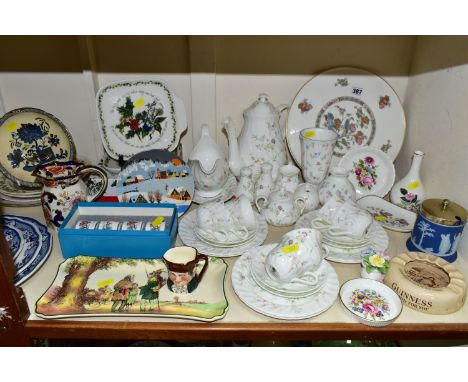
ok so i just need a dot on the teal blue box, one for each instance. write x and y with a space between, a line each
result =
118 243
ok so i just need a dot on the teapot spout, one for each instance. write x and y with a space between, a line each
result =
235 160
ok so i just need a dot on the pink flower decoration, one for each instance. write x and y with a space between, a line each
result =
357 171
410 197
369 308
369 160
368 180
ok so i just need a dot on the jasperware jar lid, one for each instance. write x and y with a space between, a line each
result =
443 211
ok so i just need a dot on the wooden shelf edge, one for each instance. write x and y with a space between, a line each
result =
240 331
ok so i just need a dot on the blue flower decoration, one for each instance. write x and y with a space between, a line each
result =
16 157
146 127
53 140
30 132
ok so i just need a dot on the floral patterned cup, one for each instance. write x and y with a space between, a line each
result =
316 153
299 253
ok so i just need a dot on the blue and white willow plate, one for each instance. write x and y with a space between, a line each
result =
33 248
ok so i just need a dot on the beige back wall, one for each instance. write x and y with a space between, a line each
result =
437 114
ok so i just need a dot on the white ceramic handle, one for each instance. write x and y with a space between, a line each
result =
241 233
301 201
306 282
319 223
326 250
333 231
259 208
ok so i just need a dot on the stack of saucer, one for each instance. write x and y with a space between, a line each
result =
305 297
300 288
12 194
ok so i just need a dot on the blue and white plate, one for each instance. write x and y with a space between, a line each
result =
14 239
35 244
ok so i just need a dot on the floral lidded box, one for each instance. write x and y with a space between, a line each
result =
119 230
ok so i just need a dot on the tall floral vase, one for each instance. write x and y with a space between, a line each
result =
409 191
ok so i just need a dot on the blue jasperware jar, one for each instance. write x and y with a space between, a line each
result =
438 229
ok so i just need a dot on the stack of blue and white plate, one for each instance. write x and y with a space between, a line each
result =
30 244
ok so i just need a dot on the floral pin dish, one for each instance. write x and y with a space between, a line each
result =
371 171
387 214
370 301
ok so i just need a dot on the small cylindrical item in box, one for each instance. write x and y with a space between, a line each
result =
87 224
132 225
109 225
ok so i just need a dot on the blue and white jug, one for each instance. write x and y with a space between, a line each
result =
438 229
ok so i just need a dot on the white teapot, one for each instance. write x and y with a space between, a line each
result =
281 208
261 139
209 166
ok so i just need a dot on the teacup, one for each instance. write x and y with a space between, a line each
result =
210 215
351 220
342 219
243 211
181 263
299 253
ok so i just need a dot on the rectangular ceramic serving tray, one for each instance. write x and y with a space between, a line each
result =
87 287
118 243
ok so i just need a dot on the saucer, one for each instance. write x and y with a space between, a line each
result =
371 171
260 276
284 308
227 193
189 237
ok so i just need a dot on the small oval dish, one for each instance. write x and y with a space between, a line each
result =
371 302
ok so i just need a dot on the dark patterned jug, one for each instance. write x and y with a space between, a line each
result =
64 187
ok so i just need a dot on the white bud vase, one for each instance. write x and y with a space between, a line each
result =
409 191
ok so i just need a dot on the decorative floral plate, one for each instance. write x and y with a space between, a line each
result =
349 255
156 176
387 214
360 106
189 237
90 286
284 308
372 302
35 246
138 115
371 171
29 137
227 193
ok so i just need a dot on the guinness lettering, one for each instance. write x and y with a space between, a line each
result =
411 300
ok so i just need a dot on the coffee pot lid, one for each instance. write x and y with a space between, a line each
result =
443 211
262 108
